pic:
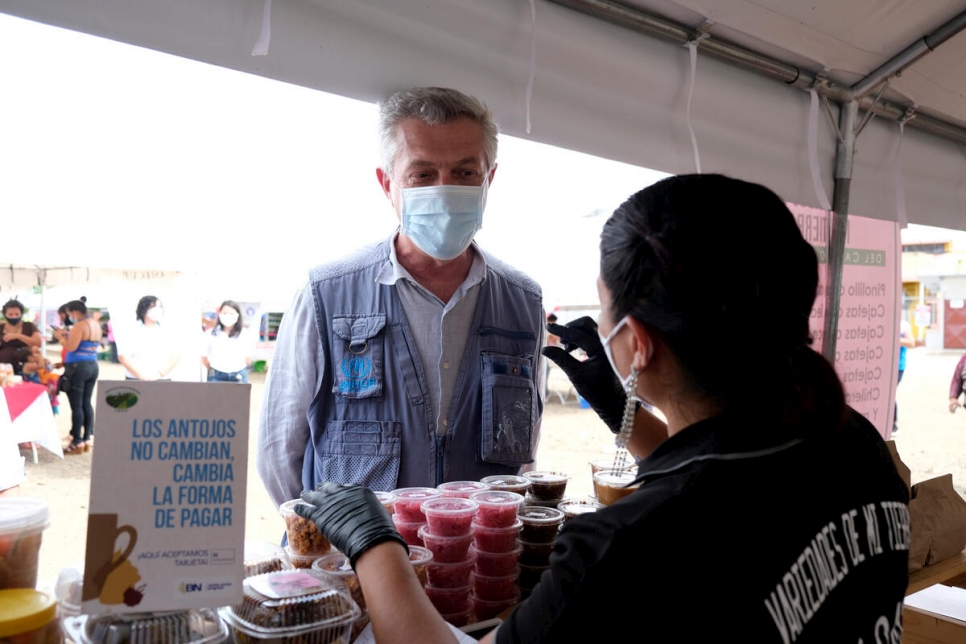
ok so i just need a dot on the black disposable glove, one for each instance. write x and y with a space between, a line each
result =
350 517
593 378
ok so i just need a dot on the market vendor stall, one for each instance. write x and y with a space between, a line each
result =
25 412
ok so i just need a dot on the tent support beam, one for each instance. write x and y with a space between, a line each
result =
844 157
651 25
909 55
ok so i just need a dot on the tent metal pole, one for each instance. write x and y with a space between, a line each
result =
651 25
910 55
844 157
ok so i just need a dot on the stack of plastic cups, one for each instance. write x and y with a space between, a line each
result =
546 488
497 552
407 514
448 534
540 526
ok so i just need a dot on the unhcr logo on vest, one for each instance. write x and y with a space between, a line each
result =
355 372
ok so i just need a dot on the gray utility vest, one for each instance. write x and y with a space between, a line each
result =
371 421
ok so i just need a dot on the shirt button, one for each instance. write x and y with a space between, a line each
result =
446 422
445 365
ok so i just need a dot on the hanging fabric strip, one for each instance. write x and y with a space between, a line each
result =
820 193
901 216
693 47
265 37
533 58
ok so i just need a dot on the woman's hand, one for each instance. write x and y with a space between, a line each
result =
953 404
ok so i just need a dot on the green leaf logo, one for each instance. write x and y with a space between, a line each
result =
122 398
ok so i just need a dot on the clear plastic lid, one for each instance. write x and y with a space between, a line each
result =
574 507
538 515
201 625
264 556
508 483
416 493
298 600
339 565
68 589
489 498
304 537
462 488
419 556
20 515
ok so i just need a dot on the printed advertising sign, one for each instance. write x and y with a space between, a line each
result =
867 345
166 525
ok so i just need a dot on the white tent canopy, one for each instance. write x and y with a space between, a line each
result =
598 87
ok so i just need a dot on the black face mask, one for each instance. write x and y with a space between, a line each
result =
13 321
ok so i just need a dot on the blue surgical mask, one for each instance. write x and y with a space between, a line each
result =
442 220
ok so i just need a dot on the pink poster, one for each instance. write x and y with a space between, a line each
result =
867 344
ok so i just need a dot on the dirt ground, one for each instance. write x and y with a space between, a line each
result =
931 441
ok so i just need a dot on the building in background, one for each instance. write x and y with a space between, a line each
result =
934 285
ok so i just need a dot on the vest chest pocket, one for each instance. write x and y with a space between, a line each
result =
357 355
508 409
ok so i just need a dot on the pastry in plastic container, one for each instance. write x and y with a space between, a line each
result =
29 616
22 524
264 556
293 607
304 537
200 626
300 561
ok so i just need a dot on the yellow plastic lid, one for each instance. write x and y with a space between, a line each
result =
24 609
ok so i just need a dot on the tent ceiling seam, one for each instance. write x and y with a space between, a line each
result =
651 25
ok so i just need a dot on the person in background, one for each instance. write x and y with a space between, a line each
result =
684 265
416 360
147 350
17 336
229 347
957 385
39 370
906 341
80 369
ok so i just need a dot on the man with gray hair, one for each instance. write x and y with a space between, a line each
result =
414 361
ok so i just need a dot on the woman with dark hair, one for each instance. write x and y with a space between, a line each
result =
230 348
17 336
765 510
80 370
147 351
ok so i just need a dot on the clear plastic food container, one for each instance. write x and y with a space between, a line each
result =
507 483
420 558
29 616
484 609
540 524
407 508
301 562
451 575
264 556
575 507
300 606
462 489
496 539
304 537
497 564
68 590
200 626
498 509
445 549
339 565
388 500
449 516
409 531
547 485
22 524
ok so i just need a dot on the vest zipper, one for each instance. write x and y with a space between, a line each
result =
439 459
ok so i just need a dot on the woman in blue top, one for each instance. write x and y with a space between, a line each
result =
81 370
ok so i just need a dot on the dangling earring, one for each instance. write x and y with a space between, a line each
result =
630 410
